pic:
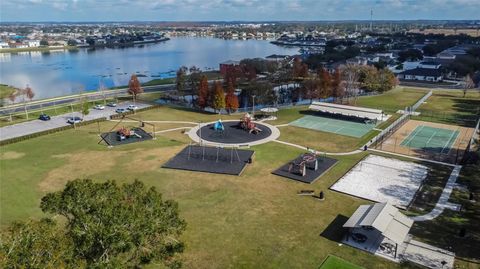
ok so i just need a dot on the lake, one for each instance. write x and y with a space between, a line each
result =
61 72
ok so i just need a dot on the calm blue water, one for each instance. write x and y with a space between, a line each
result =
65 72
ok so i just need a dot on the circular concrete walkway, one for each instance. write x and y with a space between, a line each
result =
275 133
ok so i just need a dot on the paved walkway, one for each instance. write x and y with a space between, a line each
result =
317 152
36 126
193 135
443 201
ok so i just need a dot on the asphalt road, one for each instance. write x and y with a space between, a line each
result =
35 126
5 111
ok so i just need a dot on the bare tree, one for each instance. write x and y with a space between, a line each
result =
351 76
467 84
27 93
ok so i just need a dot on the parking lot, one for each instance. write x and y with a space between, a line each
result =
35 126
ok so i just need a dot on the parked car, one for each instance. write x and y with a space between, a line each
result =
99 107
73 120
132 107
112 104
44 117
358 237
120 110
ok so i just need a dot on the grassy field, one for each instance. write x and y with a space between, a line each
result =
451 107
6 91
252 221
393 100
333 262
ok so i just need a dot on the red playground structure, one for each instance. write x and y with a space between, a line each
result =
247 124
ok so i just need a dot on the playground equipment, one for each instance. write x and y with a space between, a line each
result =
124 133
308 161
220 154
247 124
219 127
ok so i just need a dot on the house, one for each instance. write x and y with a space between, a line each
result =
276 57
4 45
378 224
422 74
429 65
224 66
445 55
33 43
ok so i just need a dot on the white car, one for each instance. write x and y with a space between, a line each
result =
73 120
132 107
99 107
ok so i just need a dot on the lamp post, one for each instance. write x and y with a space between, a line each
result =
253 107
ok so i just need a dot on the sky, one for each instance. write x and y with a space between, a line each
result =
236 10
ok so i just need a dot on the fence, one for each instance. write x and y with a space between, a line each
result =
420 102
398 123
471 142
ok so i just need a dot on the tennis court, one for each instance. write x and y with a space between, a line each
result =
431 139
336 126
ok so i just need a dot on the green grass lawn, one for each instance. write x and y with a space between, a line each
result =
251 221
225 214
392 101
6 91
333 262
450 107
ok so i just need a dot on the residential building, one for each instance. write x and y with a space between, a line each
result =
33 43
422 74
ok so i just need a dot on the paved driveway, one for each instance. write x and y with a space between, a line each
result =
35 126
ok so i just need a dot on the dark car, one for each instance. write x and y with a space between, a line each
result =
73 120
44 117
358 237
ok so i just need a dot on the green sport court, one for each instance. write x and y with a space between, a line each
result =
336 126
432 139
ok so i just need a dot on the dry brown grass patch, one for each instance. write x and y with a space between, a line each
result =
11 155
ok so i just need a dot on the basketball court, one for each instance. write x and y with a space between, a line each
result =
331 125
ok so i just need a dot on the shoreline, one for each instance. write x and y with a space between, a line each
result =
46 49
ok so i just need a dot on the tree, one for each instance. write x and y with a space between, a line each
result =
181 81
36 244
351 76
118 226
467 84
338 87
134 87
43 42
202 100
219 97
325 83
300 70
410 55
231 100
194 79
27 93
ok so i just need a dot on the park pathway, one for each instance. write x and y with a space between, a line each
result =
443 201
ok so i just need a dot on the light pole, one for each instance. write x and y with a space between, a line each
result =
253 107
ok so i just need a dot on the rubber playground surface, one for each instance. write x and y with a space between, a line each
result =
336 126
431 139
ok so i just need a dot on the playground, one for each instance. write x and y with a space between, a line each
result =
306 168
125 136
381 179
436 141
217 160
339 126
234 132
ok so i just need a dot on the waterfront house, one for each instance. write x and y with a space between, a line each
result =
422 74
33 43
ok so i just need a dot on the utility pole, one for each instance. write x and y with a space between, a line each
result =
371 19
